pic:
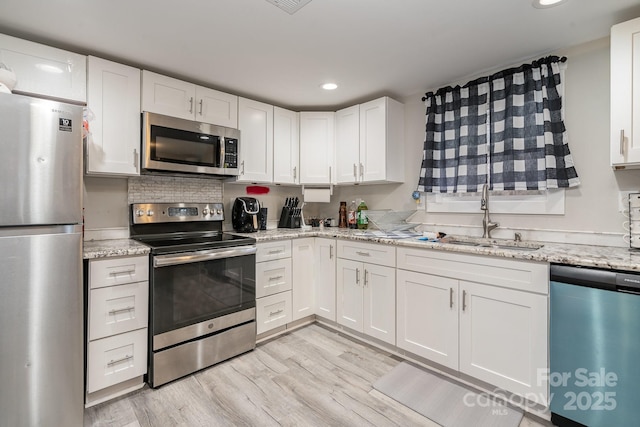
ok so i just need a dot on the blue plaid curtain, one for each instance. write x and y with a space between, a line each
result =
525 147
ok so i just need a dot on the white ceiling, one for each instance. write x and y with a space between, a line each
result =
369 47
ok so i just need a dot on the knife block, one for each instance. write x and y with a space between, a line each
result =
290 218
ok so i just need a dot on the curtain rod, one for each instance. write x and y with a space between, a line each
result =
506 72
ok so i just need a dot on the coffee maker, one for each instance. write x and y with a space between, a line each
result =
244 215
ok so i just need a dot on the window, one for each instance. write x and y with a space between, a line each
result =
505 131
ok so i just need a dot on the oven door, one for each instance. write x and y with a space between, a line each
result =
198 293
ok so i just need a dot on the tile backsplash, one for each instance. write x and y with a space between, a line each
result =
171 189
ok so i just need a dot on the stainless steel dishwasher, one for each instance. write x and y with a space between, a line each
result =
594 347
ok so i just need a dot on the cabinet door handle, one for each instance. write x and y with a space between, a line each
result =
276 277
355 172
361 171
622 142
295 173
136 160
200 106
273 313
330 251
242 164
366 277
363 253
464 300
357 276
124 359
329 174
450 297
120 310
191 105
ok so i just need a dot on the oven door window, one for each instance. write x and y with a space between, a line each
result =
186 294
178 146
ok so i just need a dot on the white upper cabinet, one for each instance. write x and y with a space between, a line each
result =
45 71
381 141
177 98
316 147
113 96
625 95
286 146
255 121
218 108
348 145
370 142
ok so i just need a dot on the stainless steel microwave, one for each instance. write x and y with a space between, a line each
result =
176 146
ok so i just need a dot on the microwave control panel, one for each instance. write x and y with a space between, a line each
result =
230 153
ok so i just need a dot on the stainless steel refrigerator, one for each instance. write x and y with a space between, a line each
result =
41 300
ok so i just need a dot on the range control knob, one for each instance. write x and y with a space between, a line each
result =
149 212
205 211
219 211
139 212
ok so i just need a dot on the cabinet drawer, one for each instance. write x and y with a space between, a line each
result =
522 275
273 250
116 359
273 311
367 252
118 271
117 309
273 277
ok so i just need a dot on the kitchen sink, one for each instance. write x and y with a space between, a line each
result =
493 243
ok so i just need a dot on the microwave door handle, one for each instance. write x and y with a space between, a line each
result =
221 162
200 256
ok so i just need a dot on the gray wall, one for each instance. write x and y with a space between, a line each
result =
593 206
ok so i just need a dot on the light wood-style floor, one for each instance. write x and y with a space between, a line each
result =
312 376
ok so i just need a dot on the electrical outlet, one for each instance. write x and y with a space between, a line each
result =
623 199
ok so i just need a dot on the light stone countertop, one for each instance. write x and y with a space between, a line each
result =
111 248
606 257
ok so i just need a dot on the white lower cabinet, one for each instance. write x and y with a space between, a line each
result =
503 338
495 331
365 292
325 278
117 318
273 285
115 359
273 311
303 289
428 316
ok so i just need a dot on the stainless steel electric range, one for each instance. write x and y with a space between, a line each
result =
202 287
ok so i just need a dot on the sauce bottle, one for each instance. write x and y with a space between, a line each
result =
351 217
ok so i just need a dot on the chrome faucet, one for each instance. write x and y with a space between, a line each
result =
487 225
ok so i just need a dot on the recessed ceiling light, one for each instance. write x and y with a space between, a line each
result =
329 86
544 4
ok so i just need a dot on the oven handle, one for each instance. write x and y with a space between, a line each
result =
199 256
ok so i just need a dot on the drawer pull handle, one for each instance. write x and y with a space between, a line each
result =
129 269
363 253
276 278
275 252
273 313
120 310
124 359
